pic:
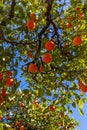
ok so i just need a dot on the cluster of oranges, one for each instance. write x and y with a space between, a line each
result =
17 124
47 58
9 82
50 45
77 40
31 25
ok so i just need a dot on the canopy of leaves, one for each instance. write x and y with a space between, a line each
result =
42 100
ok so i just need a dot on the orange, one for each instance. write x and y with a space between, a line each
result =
4 93
1 76
1 118
17 123
77 9
86 35
41 69
1 100
84 88
46 116
32 16
22 127
8 117
81 15
86 70
62 124
31 24
70 18
29 54
51 108
32 68
62 114
36 104
47 58
77 41
69 25
80 83
9 73
22 105
50 45
9 82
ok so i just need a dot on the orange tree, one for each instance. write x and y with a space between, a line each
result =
43 60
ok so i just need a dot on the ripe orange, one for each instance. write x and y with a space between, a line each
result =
29 54
36 104
86 70
1 118
81 15
70 18
17 123
1 100
62 124
22 127
51 108
84 88
80 83
69 25
47 58
77 9
8 117
31 24
22 105
77 41
62 114
9 73
32 16
72 125
4 93
41 69
46 116
32 68
9 82
50 45
86 35
1 76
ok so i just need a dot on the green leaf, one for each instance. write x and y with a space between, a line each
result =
74 104
1 126
1 3
81 112
80 104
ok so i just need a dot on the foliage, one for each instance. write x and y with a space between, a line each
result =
42 100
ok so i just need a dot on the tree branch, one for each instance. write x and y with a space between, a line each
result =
11 13
47 14
49 6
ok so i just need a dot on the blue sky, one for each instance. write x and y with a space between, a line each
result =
82 119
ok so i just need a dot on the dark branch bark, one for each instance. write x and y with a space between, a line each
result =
49 6
11 13
1 35
47 14
3 39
